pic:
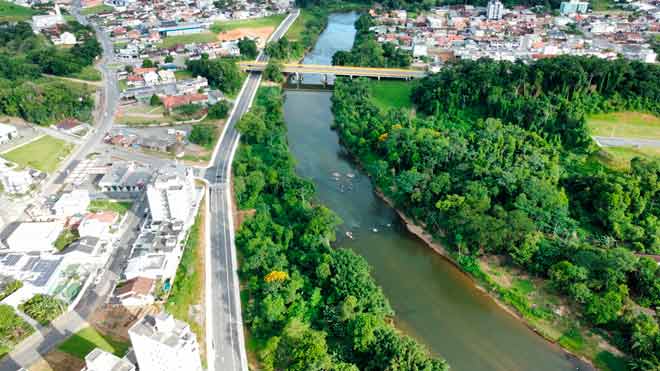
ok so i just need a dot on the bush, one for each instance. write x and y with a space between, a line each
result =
43 308
155 101
13 329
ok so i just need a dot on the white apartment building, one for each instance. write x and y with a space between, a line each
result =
16 182
7 133
171 195
162 343
495 9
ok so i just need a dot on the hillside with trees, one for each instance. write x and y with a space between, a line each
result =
309 306
501 165
25 56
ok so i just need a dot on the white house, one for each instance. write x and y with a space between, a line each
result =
150 78
74 202
66 38
16 182
97 224
136 291
166 76
7 133
162 343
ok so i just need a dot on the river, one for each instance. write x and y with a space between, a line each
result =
434 302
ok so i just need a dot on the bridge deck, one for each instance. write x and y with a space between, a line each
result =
337 70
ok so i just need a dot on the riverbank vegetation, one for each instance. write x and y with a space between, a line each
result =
502 166
368 52
308 306
222 73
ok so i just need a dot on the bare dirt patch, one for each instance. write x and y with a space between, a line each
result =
259 33
115 320
58 361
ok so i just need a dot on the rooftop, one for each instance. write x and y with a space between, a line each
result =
164 329
100 360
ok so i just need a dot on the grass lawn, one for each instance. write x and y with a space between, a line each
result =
97 9
202 37
625 124
297 29
183 75
618 158
43 154
10 12
120 207
88 73
391 94
270 21
85 340
188 287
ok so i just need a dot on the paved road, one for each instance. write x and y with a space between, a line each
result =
105 111
227 348
45 339
626 142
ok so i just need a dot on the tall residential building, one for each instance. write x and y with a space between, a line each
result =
171 194
495 9
162 343
573 6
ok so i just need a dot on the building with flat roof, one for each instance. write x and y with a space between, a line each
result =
100 360
34 236
125 177
171 195
573 6
162 343
72 203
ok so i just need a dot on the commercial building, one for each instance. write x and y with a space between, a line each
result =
34 236
573 6
171 194
125 177
495 10
100 360
162 343
181 29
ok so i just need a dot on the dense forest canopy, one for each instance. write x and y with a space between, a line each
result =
310 307
24 56
498 167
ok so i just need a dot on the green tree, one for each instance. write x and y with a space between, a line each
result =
148 63
219 110
273 72
155 101
248 48
43 308
203 135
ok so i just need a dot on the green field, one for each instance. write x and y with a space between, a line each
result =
85 340
10 12
625 125
97 9
120 207
388 94
183 75
43 154
88 73
270 21
202 37
298 27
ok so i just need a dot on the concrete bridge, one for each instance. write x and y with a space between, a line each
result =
298 69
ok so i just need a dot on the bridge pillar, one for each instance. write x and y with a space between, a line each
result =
378 77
